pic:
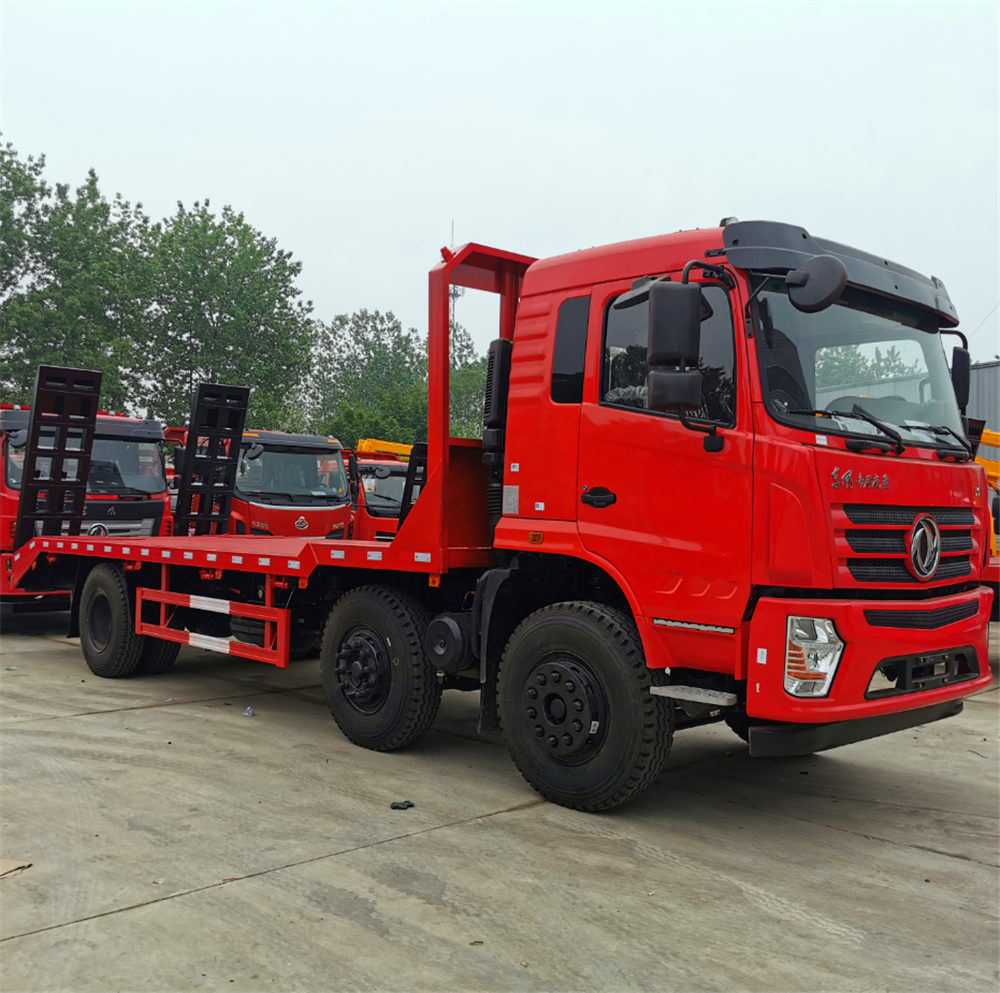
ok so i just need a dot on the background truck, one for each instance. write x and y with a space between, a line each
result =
769 544
126 490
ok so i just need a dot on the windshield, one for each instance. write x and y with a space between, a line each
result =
285 474
384 489
117 466
865 351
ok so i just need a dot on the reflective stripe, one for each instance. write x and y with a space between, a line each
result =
210 603
212 644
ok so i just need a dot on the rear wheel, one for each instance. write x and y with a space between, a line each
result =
157 656
251 632
107 634
575 707
382 689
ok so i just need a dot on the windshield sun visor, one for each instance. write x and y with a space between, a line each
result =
772 247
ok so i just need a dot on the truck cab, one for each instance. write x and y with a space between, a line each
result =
792 504
290 484
126 486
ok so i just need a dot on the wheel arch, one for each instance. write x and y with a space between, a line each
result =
526 584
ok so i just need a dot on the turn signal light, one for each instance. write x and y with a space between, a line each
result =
812 654
535 537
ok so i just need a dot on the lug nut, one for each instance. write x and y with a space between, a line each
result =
539 730
570 685
553 741
577 726
541 679
556 677
567 739
578 705
532 693
532 713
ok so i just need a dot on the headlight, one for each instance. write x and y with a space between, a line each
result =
812 654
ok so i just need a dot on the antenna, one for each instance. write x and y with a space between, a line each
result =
455 292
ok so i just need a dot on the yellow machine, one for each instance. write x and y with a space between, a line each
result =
372 446
992 467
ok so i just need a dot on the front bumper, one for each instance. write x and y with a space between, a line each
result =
866 646
774 740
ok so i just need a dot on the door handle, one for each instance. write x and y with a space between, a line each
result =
599 496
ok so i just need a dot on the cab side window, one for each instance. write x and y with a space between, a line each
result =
570 352
624 368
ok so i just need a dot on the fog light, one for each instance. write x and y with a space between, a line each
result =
812 654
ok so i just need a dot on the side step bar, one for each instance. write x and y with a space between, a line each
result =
276 625
714 698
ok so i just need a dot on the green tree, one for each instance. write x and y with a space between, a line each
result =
369 379
467 385
844 365
71 284
223 307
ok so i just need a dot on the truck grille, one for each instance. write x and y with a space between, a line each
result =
863 513
895 571
126 529
922 620
874 550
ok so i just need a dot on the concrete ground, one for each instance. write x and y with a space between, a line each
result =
177 844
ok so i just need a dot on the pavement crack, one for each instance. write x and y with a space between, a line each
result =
277 868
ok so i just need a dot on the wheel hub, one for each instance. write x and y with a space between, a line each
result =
363 670
565 707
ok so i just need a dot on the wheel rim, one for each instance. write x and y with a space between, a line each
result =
363 670
565 710
99 621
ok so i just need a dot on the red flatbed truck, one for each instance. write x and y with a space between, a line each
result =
771 545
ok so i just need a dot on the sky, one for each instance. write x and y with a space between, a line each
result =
357 134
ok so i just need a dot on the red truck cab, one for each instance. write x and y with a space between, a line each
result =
290 484
382 480
126 488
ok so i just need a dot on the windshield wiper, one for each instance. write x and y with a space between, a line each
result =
889 432
129 490
862 415
942 429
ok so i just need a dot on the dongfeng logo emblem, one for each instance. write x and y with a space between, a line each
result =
302 524
925 548
98 531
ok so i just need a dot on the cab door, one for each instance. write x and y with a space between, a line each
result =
673 518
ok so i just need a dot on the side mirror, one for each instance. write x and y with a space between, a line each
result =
961 375
816 284
178 458
19 438
353 482
674 329
255 451
673 344
668 389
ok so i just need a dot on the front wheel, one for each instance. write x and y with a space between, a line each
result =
575 707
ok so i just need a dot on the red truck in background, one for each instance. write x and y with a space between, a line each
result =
777 542
126 493
286 484
382 482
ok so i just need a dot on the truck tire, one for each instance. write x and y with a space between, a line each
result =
107 634
575 707
382 689
157 656
251 632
